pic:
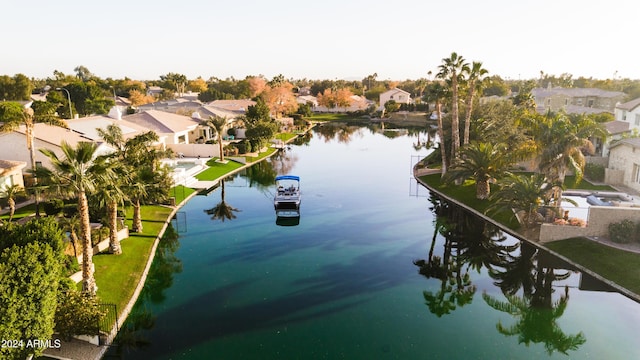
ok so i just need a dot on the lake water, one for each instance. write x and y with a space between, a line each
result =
373 268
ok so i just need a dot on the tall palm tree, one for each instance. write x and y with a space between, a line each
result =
72 225
12 115
475 75
452 70
110 195
436 93
11 192
79 173
218 124
482 162
561 144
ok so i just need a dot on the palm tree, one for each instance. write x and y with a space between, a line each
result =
436 92
218 124
80 172
482 162
475 76
12 115
520 193
561 144
452 70
222 211
110 195
72 225
11 192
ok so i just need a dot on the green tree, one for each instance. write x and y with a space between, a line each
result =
80 172
11 192
222 211
436 93
14 88
217 123
77 313
520 193
475 77
258 112
174 81
452 70
12 116
481 162
30 271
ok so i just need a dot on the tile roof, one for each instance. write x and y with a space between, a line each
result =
629 105
575 92
54 134
633 142
162 122
88 126
616 127
10 165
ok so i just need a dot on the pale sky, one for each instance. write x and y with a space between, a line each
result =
318 39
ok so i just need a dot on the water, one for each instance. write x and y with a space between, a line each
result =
361 275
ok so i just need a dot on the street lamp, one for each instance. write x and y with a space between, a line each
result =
68 98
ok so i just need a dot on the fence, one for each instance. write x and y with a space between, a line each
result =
108 321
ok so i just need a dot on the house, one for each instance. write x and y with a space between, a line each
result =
308 99
13 145
11 173
576 100
173 128
182 106
398 95
615 131
88 126
629 112
624 163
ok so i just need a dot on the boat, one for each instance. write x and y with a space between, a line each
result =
287 192
287 217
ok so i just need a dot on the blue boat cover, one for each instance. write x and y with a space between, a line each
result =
288 177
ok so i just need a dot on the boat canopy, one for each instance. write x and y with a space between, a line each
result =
287 177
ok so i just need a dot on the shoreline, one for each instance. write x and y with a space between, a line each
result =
420 172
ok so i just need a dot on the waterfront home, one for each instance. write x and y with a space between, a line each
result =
11 173
576 100
629 112
398 95
624 163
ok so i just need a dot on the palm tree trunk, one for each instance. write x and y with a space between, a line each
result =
467 117
443 150
74 242
455 121
12 208
114 243
88 280
483 189
221 147
32 154
137 218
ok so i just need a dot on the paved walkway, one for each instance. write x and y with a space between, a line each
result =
76 350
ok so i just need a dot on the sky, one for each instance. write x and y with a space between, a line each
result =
318 39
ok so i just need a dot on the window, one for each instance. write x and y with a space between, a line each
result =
624 115
566 101
637 122
181 139
636 173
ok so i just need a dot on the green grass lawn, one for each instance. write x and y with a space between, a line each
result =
262 155
466 194
570 183
22 212
285 136
217 170
619 266
181 192
331 117
118 275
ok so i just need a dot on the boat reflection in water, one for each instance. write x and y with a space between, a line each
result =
287 217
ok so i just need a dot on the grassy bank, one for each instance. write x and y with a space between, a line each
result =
118 275
217 170
619 266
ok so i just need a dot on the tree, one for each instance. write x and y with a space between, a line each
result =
258 112
257 84
222 211
482 162
197 85
18 87
520 193
475 75
561 143
30 272
12 115
174 81
11 192
451 70
217 124
77 313
436 92
79 173
138 98
280 99
83 73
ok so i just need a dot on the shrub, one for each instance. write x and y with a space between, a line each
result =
77 314
594 172
622 232
69 210
53 207
231 132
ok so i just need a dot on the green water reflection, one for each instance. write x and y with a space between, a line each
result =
366 272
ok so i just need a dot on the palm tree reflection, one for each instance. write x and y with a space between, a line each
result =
222 211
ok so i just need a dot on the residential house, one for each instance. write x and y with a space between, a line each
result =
576 100
624 164
182 106
356 103
180 133
615 131
88 126
308 99
629 112
11 173
13 145
398 95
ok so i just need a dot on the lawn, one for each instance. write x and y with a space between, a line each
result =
180 193
118 275
285 136
262 155
22 212
217 170
619 266
466 194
